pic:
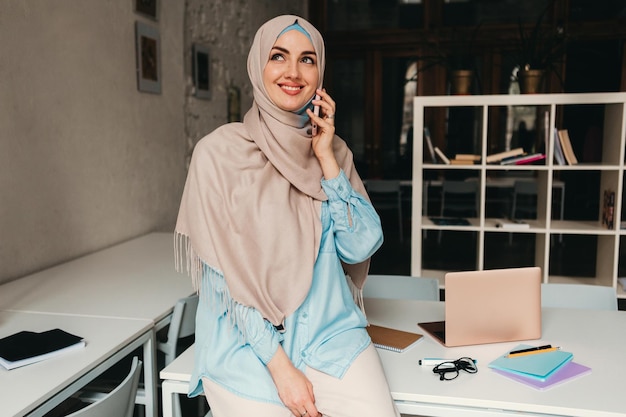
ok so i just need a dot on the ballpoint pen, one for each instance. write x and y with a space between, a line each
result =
532 351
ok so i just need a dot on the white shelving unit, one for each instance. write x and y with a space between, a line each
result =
545 228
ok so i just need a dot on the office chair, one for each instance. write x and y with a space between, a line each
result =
386 194
119 402
182 325
580 296
401 287
458 199
524 201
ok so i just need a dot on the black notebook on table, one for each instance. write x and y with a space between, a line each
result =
28 347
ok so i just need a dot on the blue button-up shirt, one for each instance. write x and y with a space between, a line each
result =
234 343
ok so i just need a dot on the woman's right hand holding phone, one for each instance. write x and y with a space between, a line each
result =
323 139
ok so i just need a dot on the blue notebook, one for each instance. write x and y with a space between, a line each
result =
539 366
564 373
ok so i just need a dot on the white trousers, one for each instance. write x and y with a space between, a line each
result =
362 392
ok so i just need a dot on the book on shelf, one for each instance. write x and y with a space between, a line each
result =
523 159
461 162
539 366
465 159
497 157
450 221
392 339
442 156
26 347
567 372
512 224
608 209
429 145
559 157
566 144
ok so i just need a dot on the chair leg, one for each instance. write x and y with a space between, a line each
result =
400 225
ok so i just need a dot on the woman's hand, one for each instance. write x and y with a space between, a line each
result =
294 388
323 141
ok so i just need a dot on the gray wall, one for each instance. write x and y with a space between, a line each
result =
86 160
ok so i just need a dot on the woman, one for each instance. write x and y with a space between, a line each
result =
277 233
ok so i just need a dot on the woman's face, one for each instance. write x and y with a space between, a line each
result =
290 76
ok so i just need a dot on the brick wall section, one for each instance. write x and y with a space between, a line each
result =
227 27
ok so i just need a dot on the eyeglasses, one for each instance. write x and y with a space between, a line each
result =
450 370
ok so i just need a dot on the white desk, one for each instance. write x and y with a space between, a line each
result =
39 387
590 335
133 280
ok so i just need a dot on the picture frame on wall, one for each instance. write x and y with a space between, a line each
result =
148 47
148 8
201 71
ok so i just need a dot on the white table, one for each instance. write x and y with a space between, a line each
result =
39 387
138 276
176 377
597 339
133 280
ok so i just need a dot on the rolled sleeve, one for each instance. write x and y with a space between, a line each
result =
356 224
261 335
254 330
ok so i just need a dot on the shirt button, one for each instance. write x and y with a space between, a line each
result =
304 354
305 315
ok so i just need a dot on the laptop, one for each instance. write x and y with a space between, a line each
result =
491 306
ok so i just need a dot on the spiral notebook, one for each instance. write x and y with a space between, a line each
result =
392 339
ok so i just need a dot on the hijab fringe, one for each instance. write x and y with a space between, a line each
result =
203 279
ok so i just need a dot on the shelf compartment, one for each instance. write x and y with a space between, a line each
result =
518 126
595 131
446 241
596 253
524 249
454 130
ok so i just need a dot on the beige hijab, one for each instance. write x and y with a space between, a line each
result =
252 200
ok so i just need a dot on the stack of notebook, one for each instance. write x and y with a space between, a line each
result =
540 370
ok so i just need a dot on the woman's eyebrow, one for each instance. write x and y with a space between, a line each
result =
280 48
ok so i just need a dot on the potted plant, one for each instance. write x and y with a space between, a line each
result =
453 51
540 50
458 57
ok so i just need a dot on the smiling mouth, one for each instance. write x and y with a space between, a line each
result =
291 88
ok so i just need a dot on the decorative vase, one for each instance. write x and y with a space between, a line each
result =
461 82
530 81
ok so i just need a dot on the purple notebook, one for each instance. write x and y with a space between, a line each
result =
567 372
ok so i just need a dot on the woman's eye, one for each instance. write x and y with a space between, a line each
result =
277 57
308 60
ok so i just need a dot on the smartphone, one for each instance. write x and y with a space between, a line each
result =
316 111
